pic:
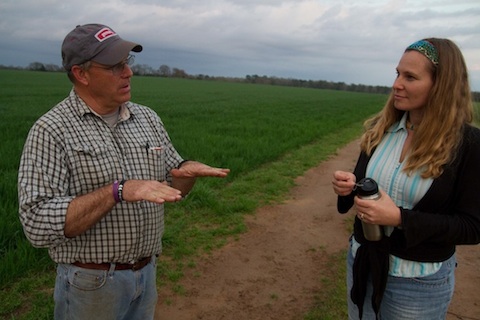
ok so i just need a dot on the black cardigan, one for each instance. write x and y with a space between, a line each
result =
448 214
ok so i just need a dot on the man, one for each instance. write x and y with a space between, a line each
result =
94 175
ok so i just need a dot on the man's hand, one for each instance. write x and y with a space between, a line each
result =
194 169
150 190
184 177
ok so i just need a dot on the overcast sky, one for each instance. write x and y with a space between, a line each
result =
347 41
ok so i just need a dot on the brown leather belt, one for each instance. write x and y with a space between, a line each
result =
118 266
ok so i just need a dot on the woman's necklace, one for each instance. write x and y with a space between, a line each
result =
410 126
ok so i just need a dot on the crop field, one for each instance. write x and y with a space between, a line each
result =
267 136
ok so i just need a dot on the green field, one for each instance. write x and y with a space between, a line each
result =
266 135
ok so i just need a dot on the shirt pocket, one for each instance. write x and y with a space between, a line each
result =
92 166
148 163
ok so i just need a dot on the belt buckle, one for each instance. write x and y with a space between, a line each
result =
140 264
137 266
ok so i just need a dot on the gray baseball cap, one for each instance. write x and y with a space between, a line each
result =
95 42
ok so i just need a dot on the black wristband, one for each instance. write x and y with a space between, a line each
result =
180 164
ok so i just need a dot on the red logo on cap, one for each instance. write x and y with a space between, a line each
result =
104 34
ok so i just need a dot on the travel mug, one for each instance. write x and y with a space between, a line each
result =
367 188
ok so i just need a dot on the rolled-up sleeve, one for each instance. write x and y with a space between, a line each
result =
43 187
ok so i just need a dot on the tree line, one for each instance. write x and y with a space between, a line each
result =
169 72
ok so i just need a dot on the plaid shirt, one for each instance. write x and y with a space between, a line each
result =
72 151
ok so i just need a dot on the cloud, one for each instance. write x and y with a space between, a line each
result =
329 40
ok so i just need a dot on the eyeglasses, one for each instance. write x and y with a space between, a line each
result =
119 67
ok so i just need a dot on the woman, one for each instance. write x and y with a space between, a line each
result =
425 157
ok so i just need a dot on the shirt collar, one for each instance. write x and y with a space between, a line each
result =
400 125
82 108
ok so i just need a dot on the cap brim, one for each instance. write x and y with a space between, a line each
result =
116 52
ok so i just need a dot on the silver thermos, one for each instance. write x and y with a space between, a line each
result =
367 188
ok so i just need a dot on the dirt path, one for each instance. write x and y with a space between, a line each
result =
274 269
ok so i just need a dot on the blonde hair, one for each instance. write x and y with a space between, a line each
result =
449 107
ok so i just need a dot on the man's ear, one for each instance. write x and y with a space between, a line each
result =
79 74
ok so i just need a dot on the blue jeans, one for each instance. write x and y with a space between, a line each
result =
408 298
86 294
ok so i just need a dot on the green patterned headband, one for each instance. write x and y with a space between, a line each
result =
427 49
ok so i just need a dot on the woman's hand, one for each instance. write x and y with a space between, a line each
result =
382 211
343 182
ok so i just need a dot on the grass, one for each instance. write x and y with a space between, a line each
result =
267 136
331 301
